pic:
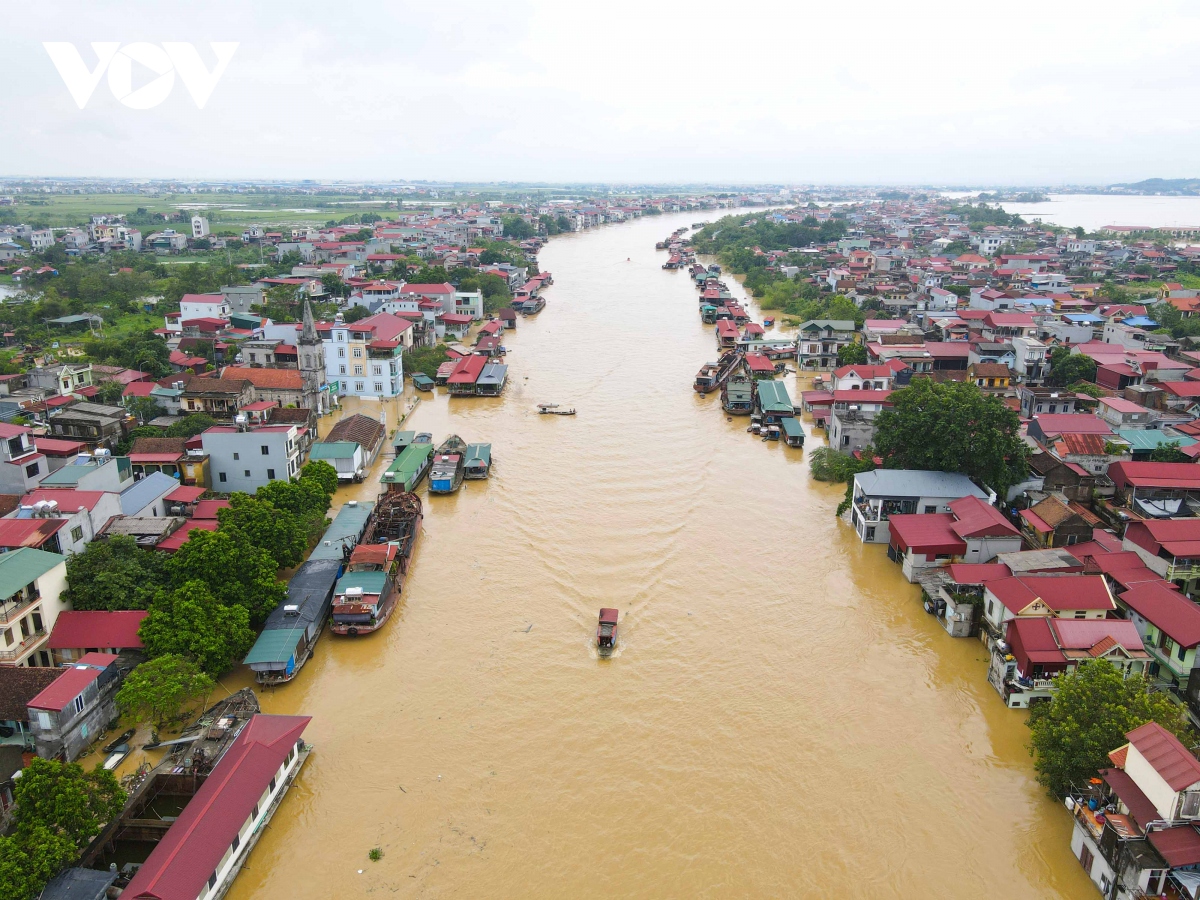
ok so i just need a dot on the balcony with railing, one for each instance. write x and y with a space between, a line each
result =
27 646
17 605
1183 569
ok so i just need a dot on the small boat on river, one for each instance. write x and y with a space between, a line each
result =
449 466
479 461
712 375
606 630
551 409
112 746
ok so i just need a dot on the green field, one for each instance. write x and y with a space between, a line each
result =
224 211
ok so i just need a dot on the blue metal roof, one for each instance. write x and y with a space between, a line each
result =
142 493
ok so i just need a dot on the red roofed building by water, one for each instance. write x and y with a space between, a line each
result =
204 849
1061 596
973 531
78 705
1035 649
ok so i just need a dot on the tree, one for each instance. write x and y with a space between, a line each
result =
281 533
301 498
190 426
333 284
114 573
517 228
852 355
65 800
354 313
144 409
1067 367
236 572
191 623
1090 714
1169 451
952 427
158 689
321 472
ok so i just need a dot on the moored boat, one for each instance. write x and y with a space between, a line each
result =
407 469
375 574
449 463
737 395
479 461
606 630
712 375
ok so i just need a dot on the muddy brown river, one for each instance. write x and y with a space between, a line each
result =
781 718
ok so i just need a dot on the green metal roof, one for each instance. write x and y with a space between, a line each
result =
1140 439
370 582
791 427
479 451
21 567
403 437
333 450
348 523
773 397
408 463
276 646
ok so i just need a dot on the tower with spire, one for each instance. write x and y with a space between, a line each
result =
311 352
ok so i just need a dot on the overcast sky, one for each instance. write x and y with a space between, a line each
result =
798 92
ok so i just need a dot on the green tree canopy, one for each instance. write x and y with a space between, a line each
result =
852 355
1169 451
189 622
281 533
58 809
1068 367
1089 715
952 427
190 426
158 689
114 573
301 498
236 572
517 228
323 473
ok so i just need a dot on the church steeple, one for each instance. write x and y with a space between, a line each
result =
308 331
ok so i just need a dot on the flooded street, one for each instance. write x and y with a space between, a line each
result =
781 718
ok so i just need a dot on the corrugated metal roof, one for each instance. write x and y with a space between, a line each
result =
370 582
194 845
23 566
349 523
333 450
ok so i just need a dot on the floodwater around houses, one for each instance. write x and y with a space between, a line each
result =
782 718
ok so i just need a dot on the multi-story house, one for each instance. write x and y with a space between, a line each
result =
22 467
31 582
1135 824
882 493
72 710
245 458
852 418
819 340
61 380
363 358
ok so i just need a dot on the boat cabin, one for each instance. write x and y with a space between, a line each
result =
606 631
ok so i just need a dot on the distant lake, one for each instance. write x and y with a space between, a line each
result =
1094 211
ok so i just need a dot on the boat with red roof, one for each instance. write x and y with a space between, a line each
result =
606 630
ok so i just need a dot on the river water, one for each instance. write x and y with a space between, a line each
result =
1094 211
781 718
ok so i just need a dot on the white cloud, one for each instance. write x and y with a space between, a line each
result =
801 92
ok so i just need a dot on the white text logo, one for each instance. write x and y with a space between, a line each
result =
117 59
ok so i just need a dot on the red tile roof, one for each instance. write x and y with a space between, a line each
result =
93 628
978 573
1179 846
1171 760
976 518
28 532
71 683
1164 608
193 847
270 379
1155 474
1058 592
926 533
